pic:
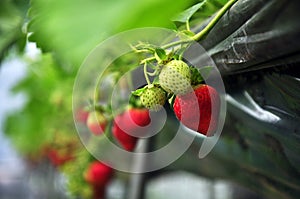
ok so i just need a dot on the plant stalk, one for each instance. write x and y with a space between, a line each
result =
213 22
205 31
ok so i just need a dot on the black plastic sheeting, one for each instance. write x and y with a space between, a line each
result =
258 52
256 34
256 47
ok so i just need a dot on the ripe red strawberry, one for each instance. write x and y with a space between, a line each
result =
96 122
129 122
139 116
57 158
98 176
200 119
127 141
81 115
61 149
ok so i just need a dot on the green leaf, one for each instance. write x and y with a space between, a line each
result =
48 107
198 13
72 28
134 100
11 22
74 171
187 14
209 9
139 91
196 76
160 54
199 75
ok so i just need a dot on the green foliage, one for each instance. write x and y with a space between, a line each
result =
76 184
70 30
199 75
187 14
198 13
11 21
160 54
48 109
73 28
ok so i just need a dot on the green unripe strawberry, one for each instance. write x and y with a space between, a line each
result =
153 97
175 77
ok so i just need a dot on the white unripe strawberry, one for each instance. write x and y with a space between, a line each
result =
175 77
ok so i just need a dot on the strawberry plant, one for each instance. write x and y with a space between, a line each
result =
179 80
169 78
45 128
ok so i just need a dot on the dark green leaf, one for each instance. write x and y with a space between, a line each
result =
139 91
160 54
48 109
196 76
187 14
198 13
199 75
73 28
11 22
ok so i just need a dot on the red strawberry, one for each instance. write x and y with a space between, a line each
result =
139 116
96 122
127 141
98 175
61 149
81 115
57 158
129 122
200 119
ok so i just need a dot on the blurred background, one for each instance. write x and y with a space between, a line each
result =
255 45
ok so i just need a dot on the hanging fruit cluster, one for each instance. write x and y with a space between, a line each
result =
195 104
173 80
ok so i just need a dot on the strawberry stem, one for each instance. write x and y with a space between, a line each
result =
176 43
205 31
188 25
213 22
148 59
146 74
